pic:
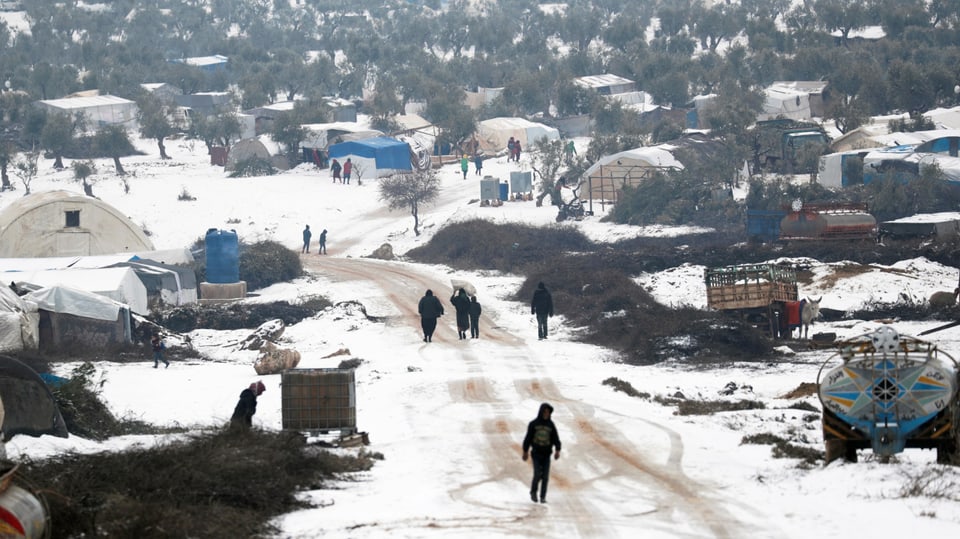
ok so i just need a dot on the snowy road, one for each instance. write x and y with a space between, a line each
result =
465 411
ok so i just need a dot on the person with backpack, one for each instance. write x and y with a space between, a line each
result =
542 307
461 302
158 346
430 309
538 444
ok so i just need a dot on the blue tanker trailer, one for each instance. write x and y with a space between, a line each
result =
890 392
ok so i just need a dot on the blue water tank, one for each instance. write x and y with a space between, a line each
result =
223 256
504 191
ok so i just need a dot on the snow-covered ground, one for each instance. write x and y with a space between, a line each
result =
449 416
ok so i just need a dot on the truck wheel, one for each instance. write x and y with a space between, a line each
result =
946 453
836 449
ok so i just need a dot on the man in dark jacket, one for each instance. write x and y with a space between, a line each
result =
539 442
542 306
306 240
461 302
475 310
247 406
430 309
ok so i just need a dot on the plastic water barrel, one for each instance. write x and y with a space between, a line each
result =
223 256
21 514
504 191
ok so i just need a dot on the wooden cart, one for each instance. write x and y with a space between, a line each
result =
758 293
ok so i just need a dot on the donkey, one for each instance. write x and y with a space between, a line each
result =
811 310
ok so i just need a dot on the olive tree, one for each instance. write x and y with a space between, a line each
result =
410 191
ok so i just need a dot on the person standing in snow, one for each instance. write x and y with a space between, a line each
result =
306 240
158 346
538 444
347 169
478 162
335 169
464 165
516 151
322 247
430 309
247 406
510 146
542 306
475 311
461 302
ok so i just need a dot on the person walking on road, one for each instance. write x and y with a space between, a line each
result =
306 240
464 165
430 309
461 302
475 311
542 306
538 444
322 247
158 346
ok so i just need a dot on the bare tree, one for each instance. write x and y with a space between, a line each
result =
410 191
547 161
25 168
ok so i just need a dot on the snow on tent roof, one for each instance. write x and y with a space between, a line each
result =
621 164
72 103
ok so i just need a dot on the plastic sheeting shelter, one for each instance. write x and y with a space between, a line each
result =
69 316
495 133
373 157
18 322
612 172
119 284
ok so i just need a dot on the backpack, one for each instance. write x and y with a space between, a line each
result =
541 436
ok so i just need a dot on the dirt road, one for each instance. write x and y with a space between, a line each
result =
605 485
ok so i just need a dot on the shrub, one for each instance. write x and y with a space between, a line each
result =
624 386
267 262
692 407
254 166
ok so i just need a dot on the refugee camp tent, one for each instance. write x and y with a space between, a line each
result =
256 148
373 157
796 100
70 317
18 322
29 406
494 133
165 284
120 284
612 172
60 223
99 110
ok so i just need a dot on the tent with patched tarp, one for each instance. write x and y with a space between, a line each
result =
373 157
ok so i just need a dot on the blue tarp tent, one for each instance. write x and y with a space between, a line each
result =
373 157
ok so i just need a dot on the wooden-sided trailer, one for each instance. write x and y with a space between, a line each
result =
758 293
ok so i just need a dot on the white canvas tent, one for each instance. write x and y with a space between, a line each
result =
18 322
120 284
496 132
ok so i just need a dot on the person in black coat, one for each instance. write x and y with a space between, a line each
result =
461 302
542 306
539 442
430 309
475 311
247 406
